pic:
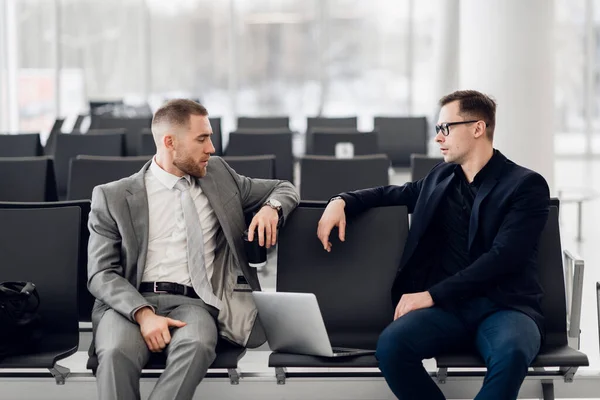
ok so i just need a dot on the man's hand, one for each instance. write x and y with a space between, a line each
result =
266 220
333 215
155 329
411 302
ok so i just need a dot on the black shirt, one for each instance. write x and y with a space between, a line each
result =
450 225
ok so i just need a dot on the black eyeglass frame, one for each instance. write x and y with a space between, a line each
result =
445 126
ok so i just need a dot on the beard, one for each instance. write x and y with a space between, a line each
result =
188 166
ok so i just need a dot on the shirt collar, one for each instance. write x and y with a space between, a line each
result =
482 174
167 179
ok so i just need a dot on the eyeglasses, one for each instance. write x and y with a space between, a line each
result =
445 127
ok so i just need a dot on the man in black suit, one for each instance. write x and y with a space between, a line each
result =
469 273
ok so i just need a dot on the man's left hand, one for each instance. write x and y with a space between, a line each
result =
411 302
266 221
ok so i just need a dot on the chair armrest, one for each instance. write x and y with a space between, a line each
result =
574 267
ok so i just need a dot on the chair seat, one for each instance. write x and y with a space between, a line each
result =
562 356
228 357
51 349
277 359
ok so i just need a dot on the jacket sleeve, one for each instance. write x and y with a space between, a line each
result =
255 192
105 270
515 241
382 196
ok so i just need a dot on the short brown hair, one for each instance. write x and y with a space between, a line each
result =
476 105
177 113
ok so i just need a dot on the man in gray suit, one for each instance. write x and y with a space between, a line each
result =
166 258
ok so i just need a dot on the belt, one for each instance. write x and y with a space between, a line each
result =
168 287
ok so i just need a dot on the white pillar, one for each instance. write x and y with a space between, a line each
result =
506 50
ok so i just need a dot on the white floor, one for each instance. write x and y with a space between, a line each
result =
259 382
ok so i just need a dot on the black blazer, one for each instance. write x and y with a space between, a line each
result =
507 219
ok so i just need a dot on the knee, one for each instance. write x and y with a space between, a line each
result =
392 347
512 357
197 348
116 356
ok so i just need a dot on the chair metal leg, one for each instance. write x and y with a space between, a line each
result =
547 389
280 375
442 375
60 373
234 376
569 373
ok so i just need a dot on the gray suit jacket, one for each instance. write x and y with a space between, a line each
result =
118 244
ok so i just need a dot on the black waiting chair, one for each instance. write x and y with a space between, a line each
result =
421 164
147 145
228 357
27 179
72 145
399 137
366 263
78 123
262 167
325 143
325 124
51 141
322 177
20 145
86 300
562 319
263 122
87 172
133 129
42 246
217 136
268 142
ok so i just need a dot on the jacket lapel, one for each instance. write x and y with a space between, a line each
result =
434 201
486 187
137 201
212 192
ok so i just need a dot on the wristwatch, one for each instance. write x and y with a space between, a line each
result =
275 205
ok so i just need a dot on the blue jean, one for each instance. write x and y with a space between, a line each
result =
507 340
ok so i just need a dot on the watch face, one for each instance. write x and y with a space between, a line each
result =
275 203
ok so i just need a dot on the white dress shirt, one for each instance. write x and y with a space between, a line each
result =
166 260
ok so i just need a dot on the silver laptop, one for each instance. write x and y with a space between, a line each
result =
293 324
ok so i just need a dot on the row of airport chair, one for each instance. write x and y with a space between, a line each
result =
321 176
52 256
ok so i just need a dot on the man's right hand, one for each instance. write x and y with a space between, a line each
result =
155 329
333 215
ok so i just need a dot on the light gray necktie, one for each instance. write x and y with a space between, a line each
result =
195 247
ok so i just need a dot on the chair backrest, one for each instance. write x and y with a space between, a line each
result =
421 164
51 141
217 136
133 129
20 145
147 145
324 143
72 145
263 122
87 172
78 122
27 179
86 300
550 261
325 124
274 143
322 177
399 137
353 282
262 167
42 246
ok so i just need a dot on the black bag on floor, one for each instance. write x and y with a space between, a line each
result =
20 323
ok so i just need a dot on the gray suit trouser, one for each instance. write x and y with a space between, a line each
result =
122 352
